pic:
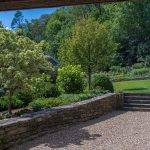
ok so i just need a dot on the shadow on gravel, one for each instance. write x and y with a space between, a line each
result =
73 135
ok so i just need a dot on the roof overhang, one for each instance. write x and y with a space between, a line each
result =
30 4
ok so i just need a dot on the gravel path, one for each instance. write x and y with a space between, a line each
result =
115 131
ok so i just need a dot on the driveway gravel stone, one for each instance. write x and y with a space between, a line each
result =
119 130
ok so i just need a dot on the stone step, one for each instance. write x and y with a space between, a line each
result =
137 94
136 109
136 97
137 101
136 105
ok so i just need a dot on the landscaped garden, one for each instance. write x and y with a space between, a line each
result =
76 54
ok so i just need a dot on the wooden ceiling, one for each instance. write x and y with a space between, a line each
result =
28 4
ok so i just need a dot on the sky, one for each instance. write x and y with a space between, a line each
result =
7 16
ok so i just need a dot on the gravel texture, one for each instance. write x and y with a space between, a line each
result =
118 130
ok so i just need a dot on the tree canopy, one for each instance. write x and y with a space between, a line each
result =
90 46
21 60
127 22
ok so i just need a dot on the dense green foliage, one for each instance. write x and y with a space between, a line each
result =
70 79
127 73
51 91
102 81
127 22
64 99
90 45
4 102
17 21
21 62
25 97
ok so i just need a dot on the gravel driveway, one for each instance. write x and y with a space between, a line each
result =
119 130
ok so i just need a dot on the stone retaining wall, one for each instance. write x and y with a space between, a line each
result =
19 129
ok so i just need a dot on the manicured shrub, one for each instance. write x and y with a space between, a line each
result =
51 91
102 81
70 79
25 97
38 104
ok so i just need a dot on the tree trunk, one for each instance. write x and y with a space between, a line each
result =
89 77
10 102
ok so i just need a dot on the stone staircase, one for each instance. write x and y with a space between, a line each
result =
136 102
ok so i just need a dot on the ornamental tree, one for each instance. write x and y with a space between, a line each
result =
90 46
21 60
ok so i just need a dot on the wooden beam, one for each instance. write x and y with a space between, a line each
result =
30 4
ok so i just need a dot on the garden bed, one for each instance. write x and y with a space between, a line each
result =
18 129
47 103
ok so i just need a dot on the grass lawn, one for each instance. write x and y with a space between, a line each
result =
137 86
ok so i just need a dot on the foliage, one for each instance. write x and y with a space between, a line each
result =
64 99
2 92
17 20
58 27
146 61
137 71
40 85
4 102
38 104
21 60
102 81
70 79
1 24
25 97
138 66
35 29
51 91
5 115
127 22
140 72
90 45
119 69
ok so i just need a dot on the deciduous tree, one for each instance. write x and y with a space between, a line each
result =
21 60
91 46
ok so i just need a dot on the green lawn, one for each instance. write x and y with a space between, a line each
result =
137 86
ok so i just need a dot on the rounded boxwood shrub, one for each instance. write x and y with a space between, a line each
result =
102 81
70 79
51 91
25 97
